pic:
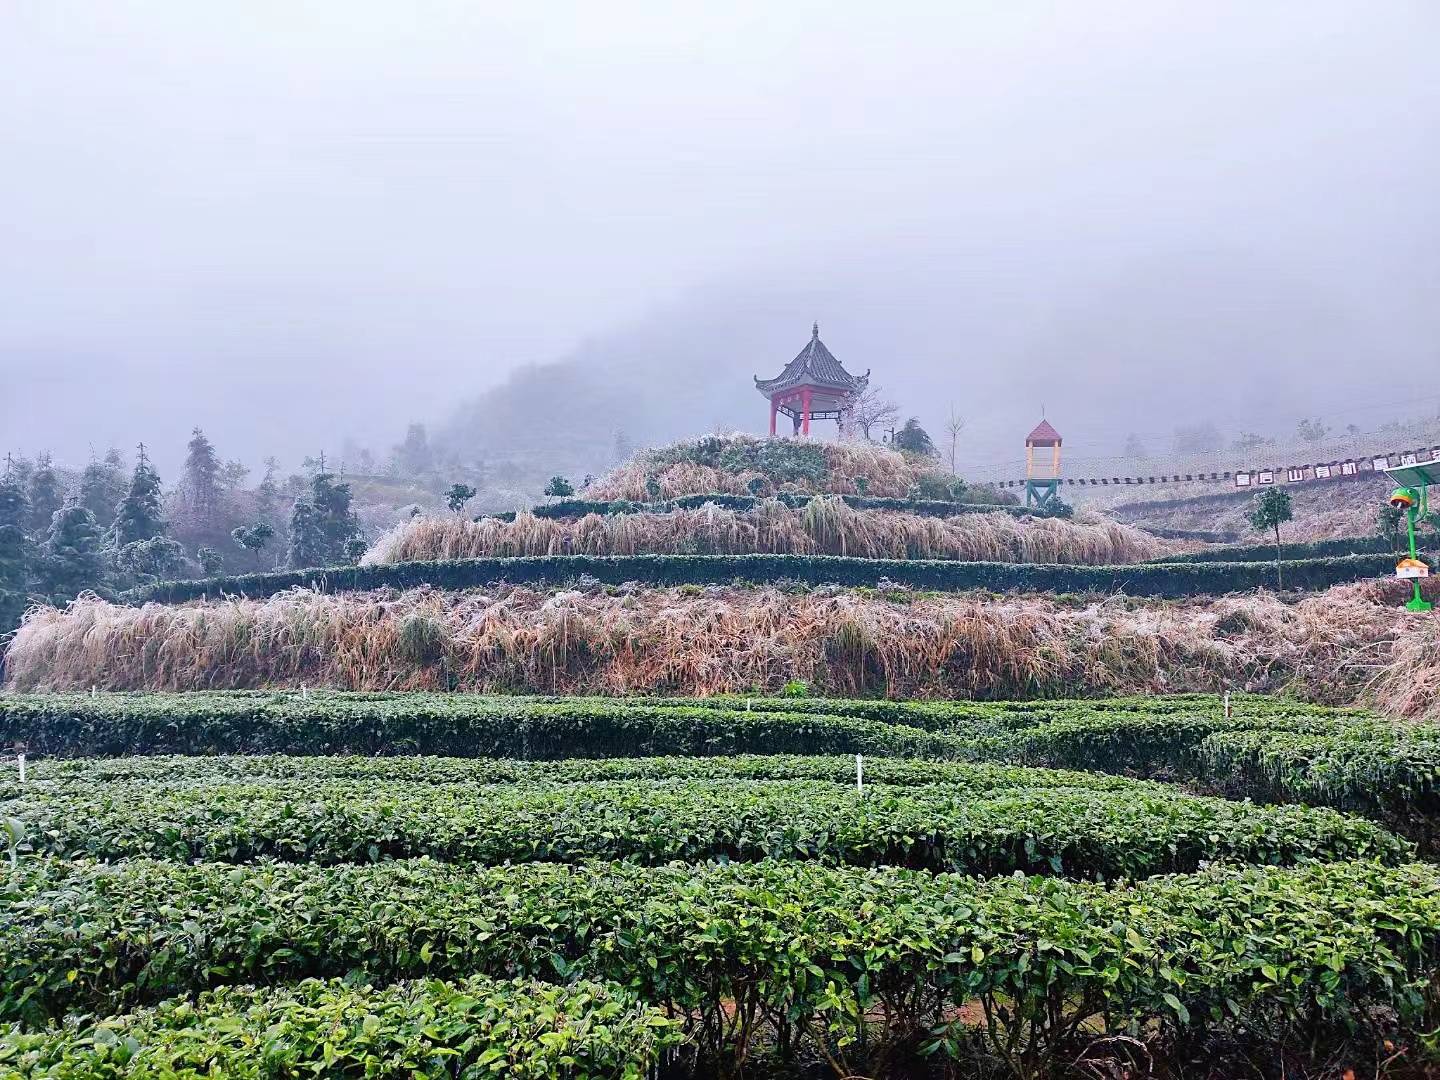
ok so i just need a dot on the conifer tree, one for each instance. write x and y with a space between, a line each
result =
267 494
102 486
14 506
17 553
200 484
914 439
338 524
307 536
150 560
16 561
139 515
328 531
72 560
44 495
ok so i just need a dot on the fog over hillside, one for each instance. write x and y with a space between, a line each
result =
294 226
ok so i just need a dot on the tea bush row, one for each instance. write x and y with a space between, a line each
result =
1082 833
475 1028
1143 579
812 951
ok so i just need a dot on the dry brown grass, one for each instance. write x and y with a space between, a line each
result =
825 526
1328 647
883 473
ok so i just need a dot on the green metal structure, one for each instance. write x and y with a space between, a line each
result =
1413 497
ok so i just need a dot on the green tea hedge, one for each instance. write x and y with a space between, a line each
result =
1317 549
1082 833
1144 579
474 1028
458 725
412 770
1307 954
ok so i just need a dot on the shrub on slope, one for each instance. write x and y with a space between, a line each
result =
825 526
689 641
747 464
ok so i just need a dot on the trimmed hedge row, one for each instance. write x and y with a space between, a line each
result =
547 728
574 508
475 1028
897 772
65 725
1317 549
1268 749
1314 953
1082 833
1142 579
1392 773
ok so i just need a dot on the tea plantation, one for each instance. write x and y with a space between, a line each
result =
290 884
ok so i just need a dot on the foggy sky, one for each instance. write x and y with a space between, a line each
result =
291 223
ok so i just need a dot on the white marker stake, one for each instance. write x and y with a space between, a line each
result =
859 775
93 692
1227 704
20 757
304 693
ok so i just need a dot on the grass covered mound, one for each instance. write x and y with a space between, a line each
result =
823 526
750 465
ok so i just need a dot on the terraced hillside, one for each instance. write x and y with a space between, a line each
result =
591 887
805 800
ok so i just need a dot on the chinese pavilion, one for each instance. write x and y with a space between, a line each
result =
813 386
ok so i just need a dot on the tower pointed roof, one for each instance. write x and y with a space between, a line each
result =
1043 435
814 365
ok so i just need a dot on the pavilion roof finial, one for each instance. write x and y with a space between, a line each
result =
815 330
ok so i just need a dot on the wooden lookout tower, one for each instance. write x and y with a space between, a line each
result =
1042 466
813 386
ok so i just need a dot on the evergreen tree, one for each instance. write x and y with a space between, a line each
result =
307 536
267 494
458 496
323 529
413 457
558 488
200 484
14 506
72 560
138 515
338 524
44 495
151 560
253 538
102 486
914 439
212 563
15 571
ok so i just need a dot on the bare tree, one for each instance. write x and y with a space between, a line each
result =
870 409
954 426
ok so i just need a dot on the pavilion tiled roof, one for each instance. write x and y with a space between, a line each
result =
814 365
1043 433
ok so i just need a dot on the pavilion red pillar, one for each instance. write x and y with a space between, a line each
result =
805 412
774 407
